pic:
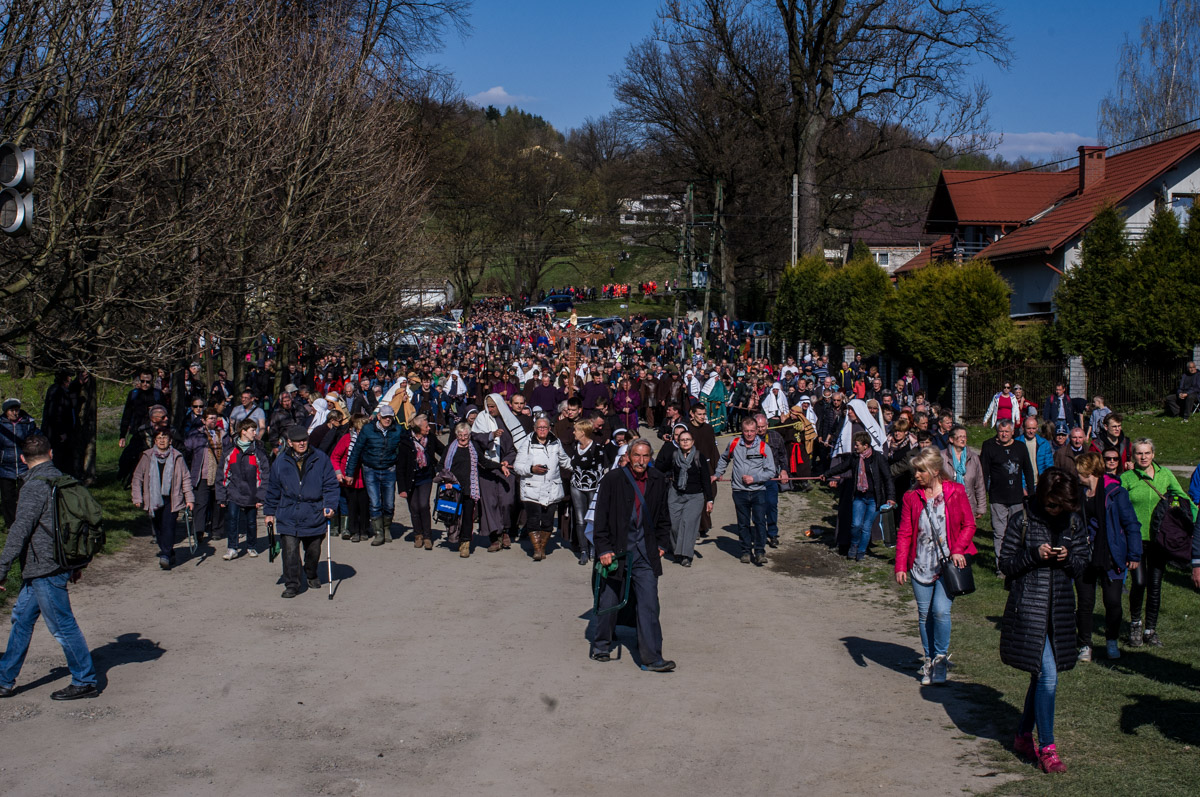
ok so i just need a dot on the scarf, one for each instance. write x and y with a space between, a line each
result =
450 452
420 446
709 385
960 465
157 493
870 426
775 405
245 448
321 407
486 424
682 463
860 484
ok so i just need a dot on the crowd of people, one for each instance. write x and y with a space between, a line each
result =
615 446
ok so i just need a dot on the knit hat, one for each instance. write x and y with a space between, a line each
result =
10 404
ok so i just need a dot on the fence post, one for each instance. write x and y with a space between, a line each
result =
1077 377
958 390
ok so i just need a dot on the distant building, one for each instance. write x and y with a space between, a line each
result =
651 209
1030 225
895 235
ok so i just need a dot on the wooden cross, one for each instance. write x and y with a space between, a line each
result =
574 336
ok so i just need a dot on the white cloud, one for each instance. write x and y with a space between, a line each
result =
497 96
1036 146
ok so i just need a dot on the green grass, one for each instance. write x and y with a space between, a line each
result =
1175 442
1131 726
121 517
32 391
665 308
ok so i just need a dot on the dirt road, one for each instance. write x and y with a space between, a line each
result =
432 675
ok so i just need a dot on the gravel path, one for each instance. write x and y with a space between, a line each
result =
432 675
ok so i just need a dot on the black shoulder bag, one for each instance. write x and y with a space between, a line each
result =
956 580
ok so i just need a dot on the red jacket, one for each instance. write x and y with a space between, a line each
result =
960 523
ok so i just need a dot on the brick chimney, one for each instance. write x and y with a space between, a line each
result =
1091 167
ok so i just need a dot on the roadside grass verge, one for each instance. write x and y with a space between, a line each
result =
1129 726
1175 442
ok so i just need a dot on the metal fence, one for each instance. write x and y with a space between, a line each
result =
1038 380
1134 386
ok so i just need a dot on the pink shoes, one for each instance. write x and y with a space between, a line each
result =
1023 746
1049 761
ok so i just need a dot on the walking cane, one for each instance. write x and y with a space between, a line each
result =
329 557
190 526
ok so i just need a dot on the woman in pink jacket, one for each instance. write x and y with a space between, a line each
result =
936 523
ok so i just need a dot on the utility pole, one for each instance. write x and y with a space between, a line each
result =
795 213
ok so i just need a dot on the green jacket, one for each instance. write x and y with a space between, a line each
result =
1143 496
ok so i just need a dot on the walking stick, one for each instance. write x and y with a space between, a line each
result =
329 556
190 526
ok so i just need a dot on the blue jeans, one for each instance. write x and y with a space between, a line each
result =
934 625
751 508
862 518
239 520
381 490
47 597
1039 699
772 509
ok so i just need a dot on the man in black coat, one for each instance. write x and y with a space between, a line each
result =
632 518
58 422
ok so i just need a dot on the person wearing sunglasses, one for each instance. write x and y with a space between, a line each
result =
133 417
1045 549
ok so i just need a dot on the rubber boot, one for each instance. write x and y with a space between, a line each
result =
344 523
539 545
387 528
377 527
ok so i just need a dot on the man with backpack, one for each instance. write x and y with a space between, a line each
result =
753 466
33 537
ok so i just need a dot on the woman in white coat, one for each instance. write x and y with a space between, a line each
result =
540 465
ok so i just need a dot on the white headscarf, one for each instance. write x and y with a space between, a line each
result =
486 424
870 425
320 413
400 384
460 386
774 405
808 412
693 384
710 384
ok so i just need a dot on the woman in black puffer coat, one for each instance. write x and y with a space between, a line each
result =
1044 550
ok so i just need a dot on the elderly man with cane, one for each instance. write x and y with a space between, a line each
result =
632 524
302 494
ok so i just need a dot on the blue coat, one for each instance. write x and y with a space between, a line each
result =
1121 526
375 449
12 437
299 492
1045 455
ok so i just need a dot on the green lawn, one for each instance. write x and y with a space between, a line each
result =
1175 442
1131 726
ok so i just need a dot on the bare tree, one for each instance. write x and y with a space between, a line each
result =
1158 79
885 63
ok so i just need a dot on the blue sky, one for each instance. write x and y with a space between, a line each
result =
555 58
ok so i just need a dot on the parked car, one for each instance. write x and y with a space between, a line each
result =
758 329
539 310
561 302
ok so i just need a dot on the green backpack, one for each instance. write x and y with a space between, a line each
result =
78 523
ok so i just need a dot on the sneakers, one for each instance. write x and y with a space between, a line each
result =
583 557
74 692
1049 762
663 665
938 667
1085 653
253 554
1111 649
1151 638
596 656
927 673
1135 634
745 559
230 555
1023 746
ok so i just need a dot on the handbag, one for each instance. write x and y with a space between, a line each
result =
955 580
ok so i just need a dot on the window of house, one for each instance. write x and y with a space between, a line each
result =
882 258
1182 205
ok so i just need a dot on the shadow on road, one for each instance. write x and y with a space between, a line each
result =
131 648
899 658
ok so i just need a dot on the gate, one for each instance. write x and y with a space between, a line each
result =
1134 386
1038 380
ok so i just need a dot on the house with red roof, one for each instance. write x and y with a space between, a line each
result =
1029 225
